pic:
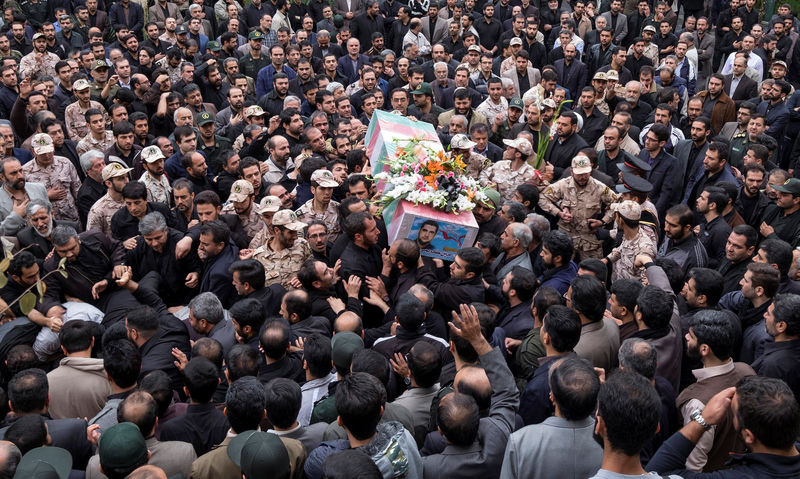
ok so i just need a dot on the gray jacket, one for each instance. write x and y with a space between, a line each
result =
523 260
484 457
10 222
108 416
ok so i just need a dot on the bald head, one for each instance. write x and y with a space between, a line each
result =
472 380
9 459
348 321
148 472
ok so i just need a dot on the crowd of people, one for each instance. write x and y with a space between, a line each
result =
198 280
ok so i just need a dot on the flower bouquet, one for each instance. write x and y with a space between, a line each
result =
421 175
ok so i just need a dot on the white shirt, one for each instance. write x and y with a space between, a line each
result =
420 40
753 62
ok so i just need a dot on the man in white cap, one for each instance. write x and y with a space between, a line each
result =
158 189
57 174
461 145
576 200
321 206
512 171
98 138
74 114
242 204
267 208
283 255
115 177
634 242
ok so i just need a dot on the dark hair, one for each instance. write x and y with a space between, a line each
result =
714 329
28 391
474 260
371 362
627 292
575 386
655 305
201 378
274 338
157 383
283 400
317 355
135 190
27 432
425 363
516 210
559 244
708 282
596 267
351 463
523 282
563 325
661 131
219 230
787 310
490 241
359 401
630 408
722 149
410 312
588 297
545 297
122 128
248 312
144 416
76 335
210 349
122 361
356 224
245 402
778 252
250 271
458 416
143 319
241 361
529 193
683 214
673 271
768 408
21 260
766 277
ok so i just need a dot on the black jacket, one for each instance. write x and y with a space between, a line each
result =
451 293
203 425
216 278
124 225
88 194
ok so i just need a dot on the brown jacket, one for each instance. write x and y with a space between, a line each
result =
78 388
723 112
215 464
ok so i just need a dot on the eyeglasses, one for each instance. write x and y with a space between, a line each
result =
650 138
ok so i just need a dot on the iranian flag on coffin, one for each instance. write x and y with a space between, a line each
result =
384 131
452 232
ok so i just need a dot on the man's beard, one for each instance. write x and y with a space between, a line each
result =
49 229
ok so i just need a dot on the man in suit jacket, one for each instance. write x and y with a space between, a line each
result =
346 63
704 43
664 175
482 454
686 162
434 27
97 18
163 9
532 74
129 14
348 9
571 73
746 87
620 29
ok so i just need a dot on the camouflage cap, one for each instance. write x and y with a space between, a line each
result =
240 190
461 142
81 84
42 143
114 169
520 144
269 204
152 153
98 64
254 110
324 178
629 209
287 219
37 36
581 165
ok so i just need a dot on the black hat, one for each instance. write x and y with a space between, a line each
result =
633 163
631 182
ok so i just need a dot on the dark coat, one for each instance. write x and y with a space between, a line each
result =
746 89
216 278
575 78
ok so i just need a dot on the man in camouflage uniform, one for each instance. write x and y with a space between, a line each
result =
242 204
98 138
460 144
57 174
158 188
74 115
115 177
103 86
634 242
321 207
575 200
512 171
267 208
635 188
283 255
39 62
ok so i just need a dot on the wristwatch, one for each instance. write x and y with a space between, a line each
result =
697 417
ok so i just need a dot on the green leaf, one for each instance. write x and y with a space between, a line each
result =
40 288
62 262
3 280
4 264
27 302
63 273
9 254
